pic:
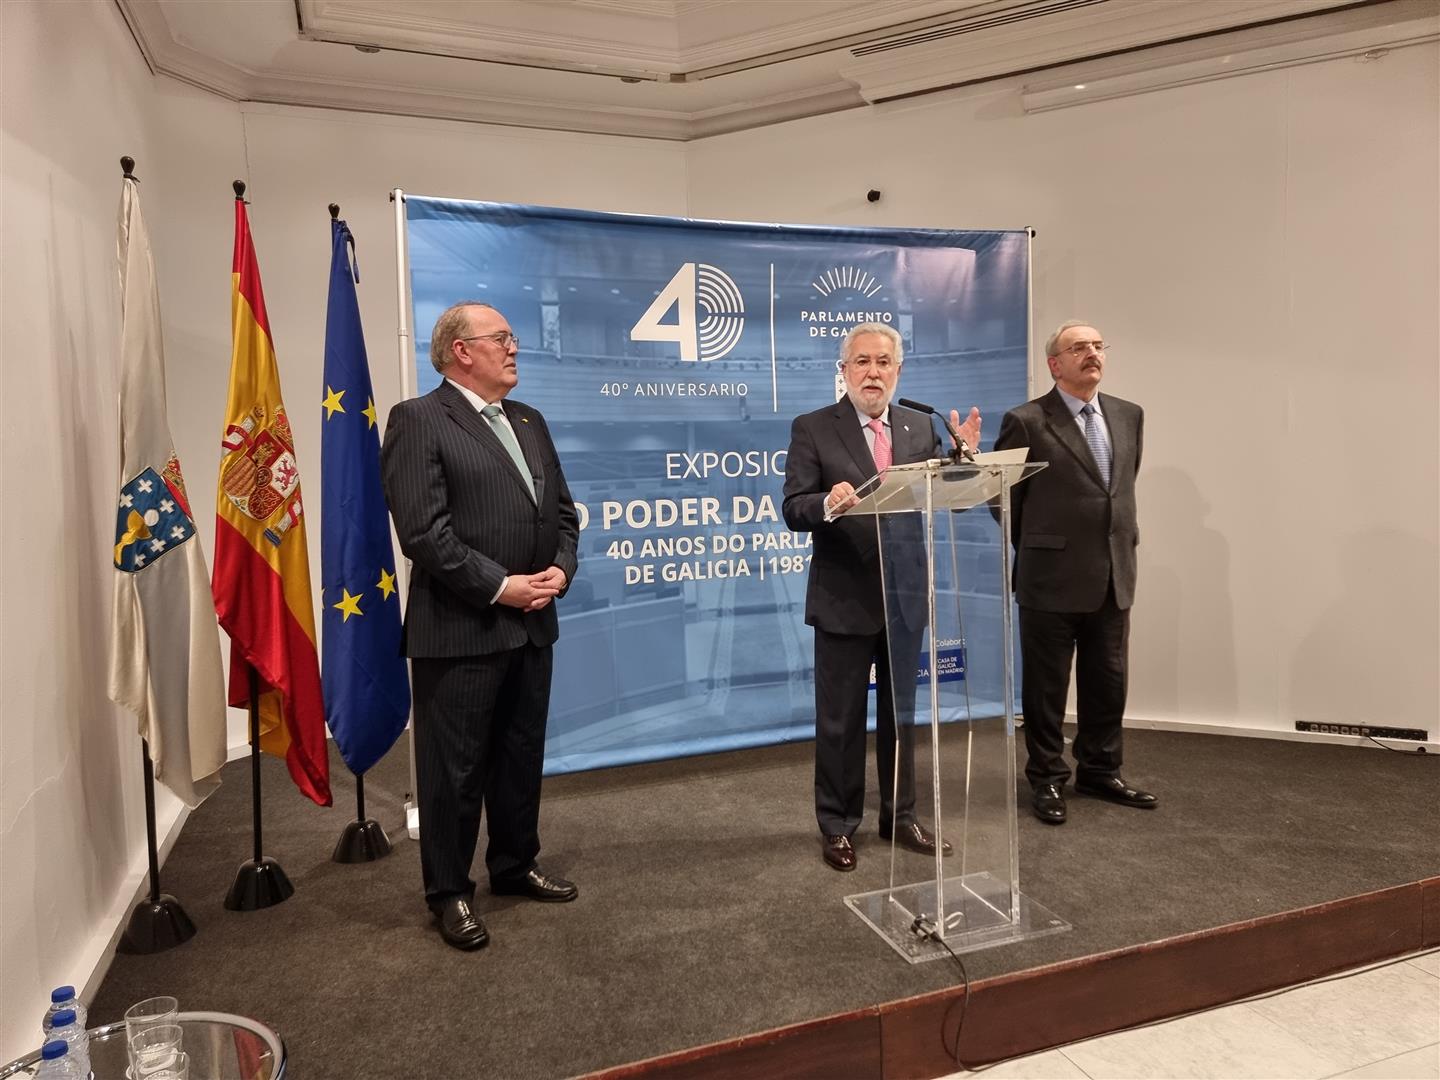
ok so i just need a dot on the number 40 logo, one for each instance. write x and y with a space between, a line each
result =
710 313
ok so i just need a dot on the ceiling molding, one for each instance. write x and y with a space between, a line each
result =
167 56
411 28
404 29
1353 32
223 50
1062 37
512 112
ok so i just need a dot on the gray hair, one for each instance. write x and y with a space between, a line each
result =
1054 339
873 328
450 327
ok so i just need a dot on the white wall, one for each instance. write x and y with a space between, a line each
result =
1263 253
1262 250
76 96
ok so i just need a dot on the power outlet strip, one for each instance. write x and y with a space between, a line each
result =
1412 734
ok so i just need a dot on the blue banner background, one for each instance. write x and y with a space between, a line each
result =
664 651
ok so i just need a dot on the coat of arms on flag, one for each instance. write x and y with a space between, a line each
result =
153 518
259 473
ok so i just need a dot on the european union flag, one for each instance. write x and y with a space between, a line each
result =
367 687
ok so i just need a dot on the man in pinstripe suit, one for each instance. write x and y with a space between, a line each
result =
483 512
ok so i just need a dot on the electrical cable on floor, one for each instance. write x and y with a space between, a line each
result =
1337 977
925 929
1395 750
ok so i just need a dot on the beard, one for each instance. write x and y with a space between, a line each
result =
879 404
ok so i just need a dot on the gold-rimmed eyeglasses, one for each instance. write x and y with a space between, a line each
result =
1080 348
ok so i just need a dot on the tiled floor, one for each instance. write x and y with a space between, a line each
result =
1376 1023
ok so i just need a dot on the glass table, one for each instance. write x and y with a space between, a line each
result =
221 1047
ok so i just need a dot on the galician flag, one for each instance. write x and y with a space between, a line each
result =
165 648
262 568
367 686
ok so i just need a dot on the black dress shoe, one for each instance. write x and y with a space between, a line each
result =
460 926
839 852
537 886
1049 804
1114 789
917 838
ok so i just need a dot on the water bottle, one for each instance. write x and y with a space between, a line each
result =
57 1064
64 1026
62 997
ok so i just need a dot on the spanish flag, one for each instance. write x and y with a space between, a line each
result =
262 568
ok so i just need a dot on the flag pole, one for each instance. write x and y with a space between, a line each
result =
158 922
363 840
261 882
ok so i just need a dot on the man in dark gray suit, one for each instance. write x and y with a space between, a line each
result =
832 452
483 513
1074 531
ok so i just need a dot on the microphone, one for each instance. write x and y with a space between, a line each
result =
962 451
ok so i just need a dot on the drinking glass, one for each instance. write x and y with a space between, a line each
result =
148 1013
154 1050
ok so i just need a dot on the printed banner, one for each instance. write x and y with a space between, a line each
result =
669 357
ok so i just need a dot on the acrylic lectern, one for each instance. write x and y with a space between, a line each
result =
945 569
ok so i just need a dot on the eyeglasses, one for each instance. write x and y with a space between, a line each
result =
865 362
1080 348
503 338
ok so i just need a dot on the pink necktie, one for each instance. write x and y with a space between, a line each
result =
882 446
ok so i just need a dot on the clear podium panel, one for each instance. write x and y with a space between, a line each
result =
948 617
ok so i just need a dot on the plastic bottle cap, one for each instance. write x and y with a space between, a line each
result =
63 1018
62 993
54 1048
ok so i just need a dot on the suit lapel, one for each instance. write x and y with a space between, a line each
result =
913 435
466 415
1122 441
847 427
1063 426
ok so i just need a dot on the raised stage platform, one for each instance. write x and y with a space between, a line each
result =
710 940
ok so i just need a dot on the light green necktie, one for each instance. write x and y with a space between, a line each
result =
494 414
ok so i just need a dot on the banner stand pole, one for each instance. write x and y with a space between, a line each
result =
158 922
364 839
259 883
407 390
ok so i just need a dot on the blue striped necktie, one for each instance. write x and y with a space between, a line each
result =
507 439
1095 436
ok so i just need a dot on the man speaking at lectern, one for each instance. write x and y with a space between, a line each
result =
832 452
1074 532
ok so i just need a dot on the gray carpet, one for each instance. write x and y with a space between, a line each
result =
706 913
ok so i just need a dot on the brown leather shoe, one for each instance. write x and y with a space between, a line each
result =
915 837
839 852
460 926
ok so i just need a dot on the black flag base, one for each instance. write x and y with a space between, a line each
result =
259 883
362 841
156 925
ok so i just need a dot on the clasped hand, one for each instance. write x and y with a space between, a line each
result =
531 592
